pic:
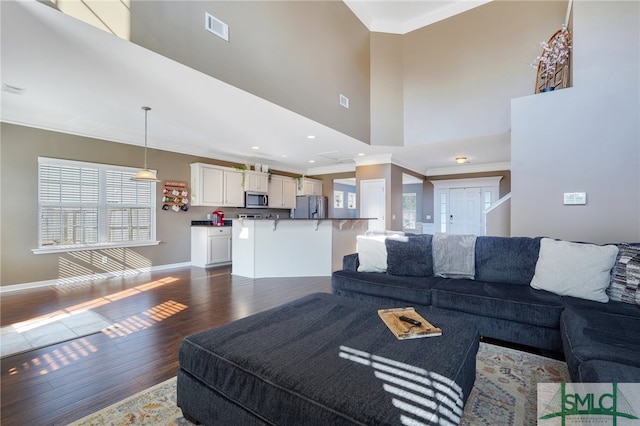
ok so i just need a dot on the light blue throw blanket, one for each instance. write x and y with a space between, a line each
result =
454 256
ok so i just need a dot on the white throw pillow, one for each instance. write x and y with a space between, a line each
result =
372 252
574 269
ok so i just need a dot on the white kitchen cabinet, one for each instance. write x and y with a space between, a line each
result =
216 186
288 193
210 245
256 181
233 190
310 187
282 192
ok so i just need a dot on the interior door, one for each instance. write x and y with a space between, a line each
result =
373 202
465 211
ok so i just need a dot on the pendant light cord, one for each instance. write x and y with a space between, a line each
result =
146 110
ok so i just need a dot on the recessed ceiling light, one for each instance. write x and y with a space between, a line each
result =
361 154
461 160
311 137
284 155
312 161
255 148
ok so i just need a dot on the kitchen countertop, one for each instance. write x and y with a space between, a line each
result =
305 218
227 222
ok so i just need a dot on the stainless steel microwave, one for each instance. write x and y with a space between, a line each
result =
256 200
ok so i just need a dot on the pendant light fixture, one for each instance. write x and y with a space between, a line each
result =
145 175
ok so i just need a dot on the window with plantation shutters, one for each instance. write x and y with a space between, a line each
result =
86 205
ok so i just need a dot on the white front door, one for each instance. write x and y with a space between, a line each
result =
459 204
465 212
372 202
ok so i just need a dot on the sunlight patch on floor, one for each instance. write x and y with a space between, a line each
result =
78 348
145 320
56 358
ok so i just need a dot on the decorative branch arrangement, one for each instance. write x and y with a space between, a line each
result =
553 63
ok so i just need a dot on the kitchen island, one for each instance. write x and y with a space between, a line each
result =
264 248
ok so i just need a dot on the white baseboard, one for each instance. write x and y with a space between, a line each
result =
91 277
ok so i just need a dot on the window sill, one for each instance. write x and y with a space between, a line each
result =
87 247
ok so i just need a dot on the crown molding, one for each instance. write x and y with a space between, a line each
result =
372 160
328 170
469 168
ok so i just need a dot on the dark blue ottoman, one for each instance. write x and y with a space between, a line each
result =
325 360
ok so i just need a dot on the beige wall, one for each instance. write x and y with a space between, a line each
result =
585 138
300 55
20 148
498 220
387 111
461 73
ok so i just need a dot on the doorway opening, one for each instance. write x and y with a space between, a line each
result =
460 204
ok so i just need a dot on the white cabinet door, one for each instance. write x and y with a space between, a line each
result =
288 193
206 185
216 186
275 192
315 187
210 245
233 190
219 245
310 187
282 192
256 181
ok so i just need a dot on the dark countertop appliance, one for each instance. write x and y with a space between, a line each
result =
311 207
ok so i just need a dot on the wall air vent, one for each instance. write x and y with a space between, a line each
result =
344 101
216 26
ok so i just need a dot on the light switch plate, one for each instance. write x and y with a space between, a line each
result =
575 198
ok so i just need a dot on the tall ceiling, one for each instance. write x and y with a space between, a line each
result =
402 16
76 79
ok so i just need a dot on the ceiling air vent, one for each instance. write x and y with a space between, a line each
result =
336 156
216 26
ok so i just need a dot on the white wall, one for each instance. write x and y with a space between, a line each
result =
585 138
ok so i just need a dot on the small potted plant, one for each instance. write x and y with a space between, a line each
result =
243 169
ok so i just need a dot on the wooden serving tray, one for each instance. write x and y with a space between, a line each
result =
403 330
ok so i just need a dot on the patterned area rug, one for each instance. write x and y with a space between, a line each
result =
504 393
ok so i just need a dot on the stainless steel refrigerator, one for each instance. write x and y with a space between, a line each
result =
311 207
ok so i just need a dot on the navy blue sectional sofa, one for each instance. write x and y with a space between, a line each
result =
600 341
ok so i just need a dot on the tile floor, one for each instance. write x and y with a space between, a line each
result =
29 335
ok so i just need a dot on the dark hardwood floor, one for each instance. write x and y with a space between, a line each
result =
67 381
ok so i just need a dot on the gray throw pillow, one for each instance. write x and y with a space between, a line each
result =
625 276
410 257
